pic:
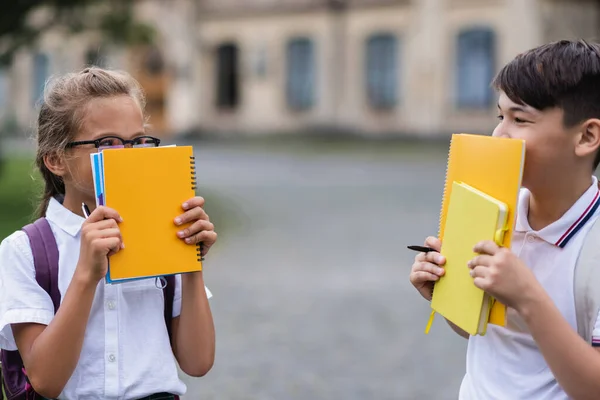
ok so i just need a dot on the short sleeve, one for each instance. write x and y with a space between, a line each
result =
22 300
177 298
596 333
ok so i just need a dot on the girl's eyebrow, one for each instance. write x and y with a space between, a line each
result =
105 134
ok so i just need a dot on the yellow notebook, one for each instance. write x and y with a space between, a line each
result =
472 216
148 186
495 166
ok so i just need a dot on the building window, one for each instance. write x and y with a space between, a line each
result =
382 70
475 68
300 85
41 71
227 76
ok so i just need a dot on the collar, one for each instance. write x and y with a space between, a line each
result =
561 231
63 218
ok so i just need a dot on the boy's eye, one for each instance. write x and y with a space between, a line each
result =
500 117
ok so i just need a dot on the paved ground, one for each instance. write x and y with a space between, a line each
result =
311 296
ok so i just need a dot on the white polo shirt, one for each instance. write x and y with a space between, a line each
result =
506 363
126 352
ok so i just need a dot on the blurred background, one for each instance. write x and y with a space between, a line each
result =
321 130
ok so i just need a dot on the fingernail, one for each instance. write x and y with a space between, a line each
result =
440 270
120 219
180 234
185 206
178 221
188 240
439 259
122 245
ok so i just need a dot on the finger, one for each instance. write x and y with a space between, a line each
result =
104 224
207 238
196 201
433 257
481 260
428 267
423 276
486 247
434 243
195 214
479 272
102 212
109 234
198 226
109 245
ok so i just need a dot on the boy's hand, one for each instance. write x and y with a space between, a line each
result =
499 272
201 230
427 268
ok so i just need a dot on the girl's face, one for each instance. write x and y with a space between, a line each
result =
119 116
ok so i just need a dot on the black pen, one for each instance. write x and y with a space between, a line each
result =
422 249
85 209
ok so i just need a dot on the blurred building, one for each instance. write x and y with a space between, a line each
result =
376 67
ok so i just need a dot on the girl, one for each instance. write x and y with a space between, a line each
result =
105 341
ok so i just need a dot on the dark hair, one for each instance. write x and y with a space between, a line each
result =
63 111
564 74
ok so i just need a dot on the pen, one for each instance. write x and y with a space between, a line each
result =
85 209
422 249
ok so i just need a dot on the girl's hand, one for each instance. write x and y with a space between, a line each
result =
201 230
100 238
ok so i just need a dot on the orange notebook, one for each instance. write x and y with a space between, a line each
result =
148 186
494 166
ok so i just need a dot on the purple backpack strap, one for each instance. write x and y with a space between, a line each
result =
45 258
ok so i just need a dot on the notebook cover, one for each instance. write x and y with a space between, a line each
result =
147 186
493 165
472 217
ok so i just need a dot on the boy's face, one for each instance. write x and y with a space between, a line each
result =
550 147
114 116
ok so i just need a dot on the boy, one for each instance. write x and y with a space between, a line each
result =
550 97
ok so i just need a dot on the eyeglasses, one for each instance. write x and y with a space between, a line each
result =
117 142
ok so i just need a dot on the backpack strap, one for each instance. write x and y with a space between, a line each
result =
45 258
586 283
169 295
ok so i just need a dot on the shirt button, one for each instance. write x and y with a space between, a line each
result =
531 239
112 358
111 305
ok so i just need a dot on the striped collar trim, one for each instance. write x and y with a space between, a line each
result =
580 222
560 232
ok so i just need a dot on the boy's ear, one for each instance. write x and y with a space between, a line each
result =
55 164
589 139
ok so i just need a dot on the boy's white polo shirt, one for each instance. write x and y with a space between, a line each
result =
506 363
126 352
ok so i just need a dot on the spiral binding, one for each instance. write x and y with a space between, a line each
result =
444 196
193 172
199 252
447 186
194 187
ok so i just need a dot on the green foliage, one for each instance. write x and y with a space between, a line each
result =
23 22
20 187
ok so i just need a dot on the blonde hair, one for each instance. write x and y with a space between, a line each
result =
63 111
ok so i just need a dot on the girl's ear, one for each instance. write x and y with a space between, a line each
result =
55 164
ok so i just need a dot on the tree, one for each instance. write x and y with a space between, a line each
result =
23 22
